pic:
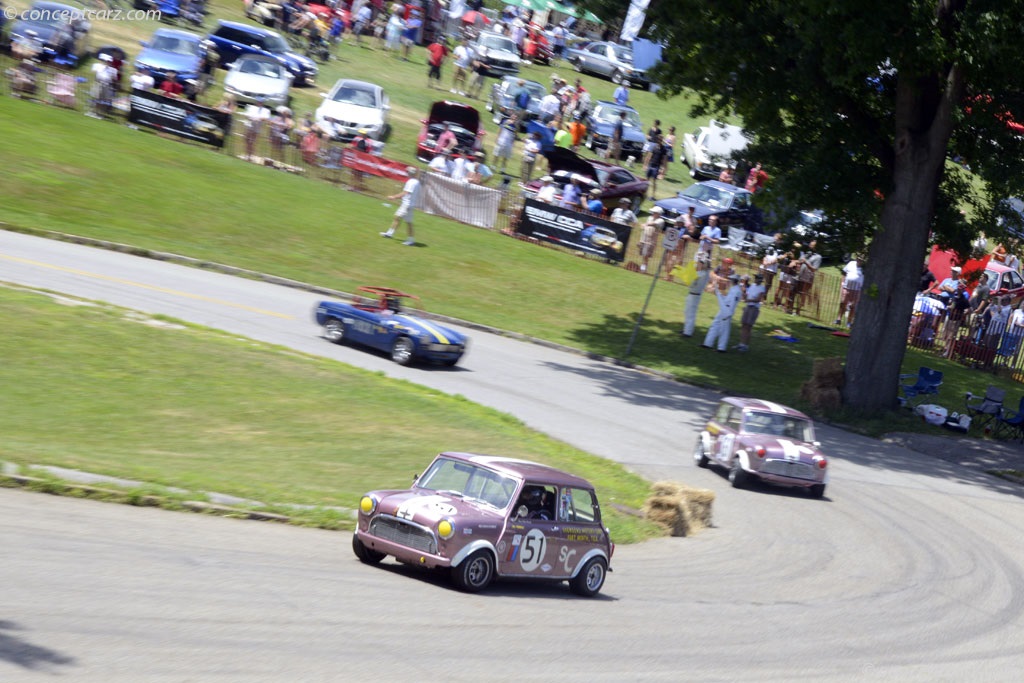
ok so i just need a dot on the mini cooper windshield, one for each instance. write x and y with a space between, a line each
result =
466 480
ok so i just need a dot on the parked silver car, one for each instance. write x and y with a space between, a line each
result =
255 77
709 149
608 59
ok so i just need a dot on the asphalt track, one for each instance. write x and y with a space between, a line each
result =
911 569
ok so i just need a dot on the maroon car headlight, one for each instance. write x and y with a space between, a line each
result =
446 528
368 504
760 451
821 462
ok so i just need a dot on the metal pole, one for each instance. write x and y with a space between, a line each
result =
650 292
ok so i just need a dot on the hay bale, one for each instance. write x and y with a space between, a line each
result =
822 398
682 510
828 373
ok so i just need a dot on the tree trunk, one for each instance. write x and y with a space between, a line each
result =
878 341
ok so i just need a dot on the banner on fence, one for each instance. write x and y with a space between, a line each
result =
364 162
575 230
179 117
460 201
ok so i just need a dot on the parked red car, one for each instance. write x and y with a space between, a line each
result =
462 119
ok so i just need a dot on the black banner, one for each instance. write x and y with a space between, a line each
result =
575 230
179 117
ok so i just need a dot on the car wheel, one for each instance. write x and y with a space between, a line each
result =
590 579
334 331
816 491
475 572
401 351
638 200
737 475
578 65
365 555
699 456
617 77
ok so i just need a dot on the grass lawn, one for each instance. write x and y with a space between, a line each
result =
114 392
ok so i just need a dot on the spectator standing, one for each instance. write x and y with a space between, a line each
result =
281 124
410 32
653 138
479 172
623 215
436 53
654 160
142 80
982 291
718 333
670 151
563 138
410 199
550 107
770 262
1014 332
521 98
726 176
710 235
559 36
853 282
504 141
621 94
810 262
618 132
577 130
572 195
547 191
702 262
530 151
363 19
310 145
649 236
460 169
948 286
441 164
170 86
476 83
594 204
753 296
256 115
756 179
956 315
463 56
719 278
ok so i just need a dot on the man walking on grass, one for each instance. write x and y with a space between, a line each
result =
410 196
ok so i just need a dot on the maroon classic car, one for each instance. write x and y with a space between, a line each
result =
761 440
461 119
614 181
485 516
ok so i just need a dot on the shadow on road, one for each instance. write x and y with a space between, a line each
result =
26 655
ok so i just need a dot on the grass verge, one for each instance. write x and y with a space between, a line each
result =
97 388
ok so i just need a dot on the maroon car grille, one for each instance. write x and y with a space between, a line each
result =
402 532
788 468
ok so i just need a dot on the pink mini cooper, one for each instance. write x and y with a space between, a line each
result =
483 517
761 440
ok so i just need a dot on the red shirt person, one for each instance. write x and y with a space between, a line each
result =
170 87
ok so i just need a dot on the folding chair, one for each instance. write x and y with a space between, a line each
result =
1013 421
928 382
988 409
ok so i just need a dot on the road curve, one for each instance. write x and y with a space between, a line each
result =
911 569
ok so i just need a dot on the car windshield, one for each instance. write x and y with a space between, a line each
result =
259 67
359 97
611 115
498 43
775 424
535 89
275 43
176 45
466 480
710 196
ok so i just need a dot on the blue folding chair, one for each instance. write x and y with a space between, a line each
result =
927 382
1013 421
988 409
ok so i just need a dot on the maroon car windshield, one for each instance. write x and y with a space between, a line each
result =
468 481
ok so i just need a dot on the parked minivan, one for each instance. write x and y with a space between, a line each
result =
232 40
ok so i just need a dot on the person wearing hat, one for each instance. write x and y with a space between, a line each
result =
720 275
623 215
649 233
753 296
718 333
948 286
547 190
702 262
410 199
594 203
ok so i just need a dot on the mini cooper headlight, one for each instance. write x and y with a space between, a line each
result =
445 529
368 505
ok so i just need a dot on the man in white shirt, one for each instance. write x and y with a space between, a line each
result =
753 295
410 196
710 235
142 80
549 106
440 164
463 55
853 282
547 190
727 302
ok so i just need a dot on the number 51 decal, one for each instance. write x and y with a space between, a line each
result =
532 552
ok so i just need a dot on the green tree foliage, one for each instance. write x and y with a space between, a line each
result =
855 108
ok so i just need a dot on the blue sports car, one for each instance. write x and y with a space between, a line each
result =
375 318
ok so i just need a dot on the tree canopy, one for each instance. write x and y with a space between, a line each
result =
860 109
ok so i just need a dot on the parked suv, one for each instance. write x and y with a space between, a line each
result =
171 50
232 40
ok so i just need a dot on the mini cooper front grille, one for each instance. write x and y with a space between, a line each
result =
788 468
405 533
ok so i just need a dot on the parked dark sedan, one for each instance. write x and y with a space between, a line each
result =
614 182
601 124
733 205
59 32
502 98
609 60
